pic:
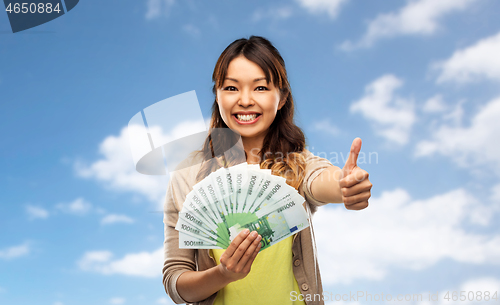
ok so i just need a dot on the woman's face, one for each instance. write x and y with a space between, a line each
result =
247 103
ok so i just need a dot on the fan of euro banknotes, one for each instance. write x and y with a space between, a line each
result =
242 196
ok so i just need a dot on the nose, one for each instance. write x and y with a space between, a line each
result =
246 99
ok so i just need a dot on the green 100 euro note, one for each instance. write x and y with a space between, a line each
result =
230 200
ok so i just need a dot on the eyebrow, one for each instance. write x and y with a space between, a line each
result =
255 80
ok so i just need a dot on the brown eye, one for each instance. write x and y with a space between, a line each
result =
261 88
230 88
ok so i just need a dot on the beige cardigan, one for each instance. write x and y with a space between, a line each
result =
178 261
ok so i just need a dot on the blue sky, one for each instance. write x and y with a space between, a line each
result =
416 80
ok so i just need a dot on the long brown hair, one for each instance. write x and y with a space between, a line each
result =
284 141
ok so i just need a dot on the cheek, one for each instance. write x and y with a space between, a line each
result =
224 111
272 106
222 108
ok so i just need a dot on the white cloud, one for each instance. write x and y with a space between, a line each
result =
94 257
326 126
207 123
479 61
143 264
163 301
435 104
35 212
470 146
495 193
275 13
117 301
155 8
331 7
481 284
114 218
15 251
455 115
468 289
488 283
192 30
415 18
396 231
78 206
392 116
116 170
181 130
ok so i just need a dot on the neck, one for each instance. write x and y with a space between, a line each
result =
252 146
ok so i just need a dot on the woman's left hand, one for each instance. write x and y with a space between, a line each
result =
354 186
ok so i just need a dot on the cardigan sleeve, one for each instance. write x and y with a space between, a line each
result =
314 166
176 261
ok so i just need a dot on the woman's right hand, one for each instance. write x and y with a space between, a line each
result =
236 261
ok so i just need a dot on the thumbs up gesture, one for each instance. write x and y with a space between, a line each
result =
354 185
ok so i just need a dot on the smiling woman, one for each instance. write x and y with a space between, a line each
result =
248 101
250 79
253 98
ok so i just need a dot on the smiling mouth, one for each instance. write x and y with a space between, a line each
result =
246 117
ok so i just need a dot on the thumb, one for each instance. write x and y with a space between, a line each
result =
350 164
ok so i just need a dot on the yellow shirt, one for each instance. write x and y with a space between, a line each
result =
270 281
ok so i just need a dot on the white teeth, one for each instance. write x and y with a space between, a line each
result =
246 117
